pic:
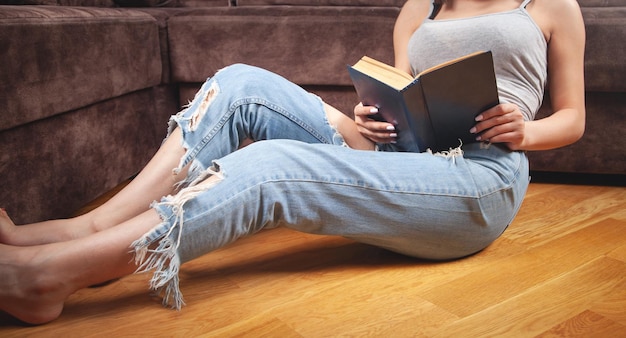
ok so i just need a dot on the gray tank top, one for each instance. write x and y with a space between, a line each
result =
517 43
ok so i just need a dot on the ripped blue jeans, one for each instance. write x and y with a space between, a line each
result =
300 175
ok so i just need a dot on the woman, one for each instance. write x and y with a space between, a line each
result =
321 180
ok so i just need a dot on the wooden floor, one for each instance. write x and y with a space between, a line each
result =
559 270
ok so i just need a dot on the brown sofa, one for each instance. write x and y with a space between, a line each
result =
88 85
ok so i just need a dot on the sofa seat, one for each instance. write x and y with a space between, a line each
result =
82 104
309 45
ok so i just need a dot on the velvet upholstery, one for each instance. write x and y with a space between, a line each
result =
90 3
602 3
88 85
290 41
605 69
359 3
601 150
204 3
54 166
73 57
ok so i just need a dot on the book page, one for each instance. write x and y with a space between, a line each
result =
385 73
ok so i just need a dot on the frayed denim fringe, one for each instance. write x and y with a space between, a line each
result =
164 259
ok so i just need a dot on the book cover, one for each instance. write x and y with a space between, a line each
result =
436 109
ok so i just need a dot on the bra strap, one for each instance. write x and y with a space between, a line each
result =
434 10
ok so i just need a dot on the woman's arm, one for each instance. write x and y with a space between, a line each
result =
409 19
562 24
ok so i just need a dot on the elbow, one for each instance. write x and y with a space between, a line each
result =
577 131
580 133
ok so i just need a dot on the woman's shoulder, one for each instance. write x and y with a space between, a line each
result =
419 7
414 12
554 15
555 7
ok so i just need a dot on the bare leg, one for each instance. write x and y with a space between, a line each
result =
153 182
36 280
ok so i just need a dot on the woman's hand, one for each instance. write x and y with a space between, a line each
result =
503 123
379 132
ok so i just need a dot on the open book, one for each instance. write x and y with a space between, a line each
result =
434 110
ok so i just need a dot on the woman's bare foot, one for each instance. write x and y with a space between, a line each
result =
27 291
36 280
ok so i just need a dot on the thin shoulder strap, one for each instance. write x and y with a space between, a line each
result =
434 7
525 3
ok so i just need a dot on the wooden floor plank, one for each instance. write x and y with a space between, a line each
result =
565 210
535 311
586 324
619 253
254 327
494 283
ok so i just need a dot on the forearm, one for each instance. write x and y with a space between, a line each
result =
562 128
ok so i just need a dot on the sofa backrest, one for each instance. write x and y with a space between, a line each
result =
90 3
605 69
360 3
310 45
123 3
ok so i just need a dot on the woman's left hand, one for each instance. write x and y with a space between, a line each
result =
503 123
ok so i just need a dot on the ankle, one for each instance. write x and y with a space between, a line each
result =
45 301
31 294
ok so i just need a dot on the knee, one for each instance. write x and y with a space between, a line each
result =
237 69
246 78
243 73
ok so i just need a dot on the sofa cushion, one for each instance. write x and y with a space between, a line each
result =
605 69
28 2
173 3
377 3
92 3
308 44
57 58
146 3
204 3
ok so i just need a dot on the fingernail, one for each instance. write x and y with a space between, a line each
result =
374 110
473 130
478 138
479 118
391 128
393 135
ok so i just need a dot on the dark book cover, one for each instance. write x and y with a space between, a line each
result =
436 110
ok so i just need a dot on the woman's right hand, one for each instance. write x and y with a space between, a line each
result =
379 132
